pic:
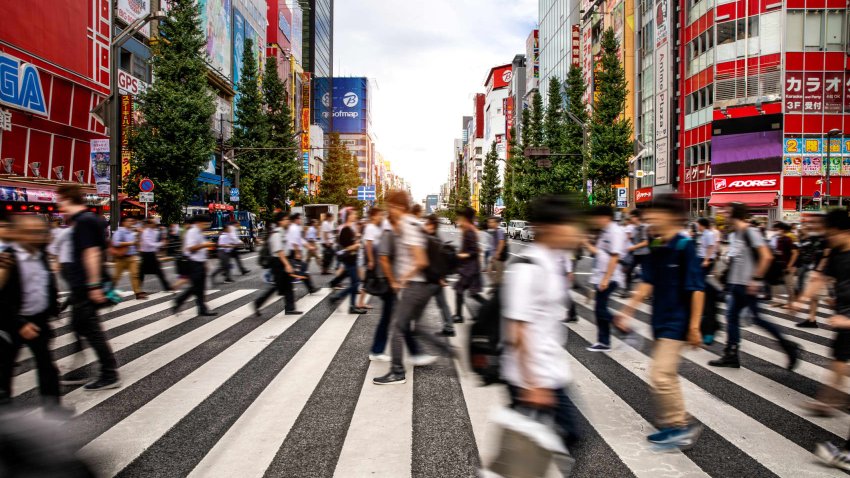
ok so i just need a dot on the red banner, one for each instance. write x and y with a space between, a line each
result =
126 131
813 92
576 45
502 77
643 195
305 125
753 182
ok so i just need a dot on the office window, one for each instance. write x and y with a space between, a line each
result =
835 30
813 30
794 30
771 32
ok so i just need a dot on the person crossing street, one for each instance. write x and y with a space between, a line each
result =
280 267
195 247
125 255
607 275
150 244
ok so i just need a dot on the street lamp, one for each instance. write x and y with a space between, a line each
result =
831 134
114 109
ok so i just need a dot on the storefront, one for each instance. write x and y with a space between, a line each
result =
760 192
20 199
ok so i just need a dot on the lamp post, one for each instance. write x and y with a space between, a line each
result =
831 134
114 114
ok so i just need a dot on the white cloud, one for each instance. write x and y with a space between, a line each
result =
427 59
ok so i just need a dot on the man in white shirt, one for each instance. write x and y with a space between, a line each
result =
298 250
126 258
195 247
535 298
607 273
227 243
280 267
328 235
151 243
311 239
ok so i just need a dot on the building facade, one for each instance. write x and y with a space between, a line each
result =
352 116
556 19
318 58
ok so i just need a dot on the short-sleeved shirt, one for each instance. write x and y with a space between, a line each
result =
294 237
640 233
675 271
312 235
498 236
612 240
277 242
386 248
411 236
347 237
742 263
328 232
195 237
122 234
89 230
707 239
536 294
838 267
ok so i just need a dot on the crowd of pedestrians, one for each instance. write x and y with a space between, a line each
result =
398 257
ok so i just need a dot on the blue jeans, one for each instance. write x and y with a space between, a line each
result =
565 413
740 299
353 283
603 315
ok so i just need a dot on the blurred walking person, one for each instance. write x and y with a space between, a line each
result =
125 255
499 245
348 247
150 244
607 275
280 267
195 248
227 243
469 268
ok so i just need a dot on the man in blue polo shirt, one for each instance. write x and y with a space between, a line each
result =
672 273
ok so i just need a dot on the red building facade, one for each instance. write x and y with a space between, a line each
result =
44 144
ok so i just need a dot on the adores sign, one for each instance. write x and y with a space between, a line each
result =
756 182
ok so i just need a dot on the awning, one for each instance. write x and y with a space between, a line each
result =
134 203
760 199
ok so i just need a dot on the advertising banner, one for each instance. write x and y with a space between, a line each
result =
99 158
793 146
10 194
847 94
238 47
846 146
215 21
793 92
587 60
833 92
501 77
643 195
297 37
792 166
747 183
812 145
126 131
350 105
662 93
532 54
834 145
813 92
575 46
131 10
845 166
812 166
835 165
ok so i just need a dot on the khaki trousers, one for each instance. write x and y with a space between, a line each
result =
131 265
664 378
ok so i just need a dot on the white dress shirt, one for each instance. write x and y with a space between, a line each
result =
150 242
228 240
35 279
612 240
195 237
62 247
294 237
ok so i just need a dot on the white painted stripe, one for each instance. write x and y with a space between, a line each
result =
143 366
113 450
772 450
28 380
774 392
250 445
806 369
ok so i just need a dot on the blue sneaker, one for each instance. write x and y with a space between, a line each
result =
661 435
708 339
682 438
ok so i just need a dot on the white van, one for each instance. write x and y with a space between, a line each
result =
515 228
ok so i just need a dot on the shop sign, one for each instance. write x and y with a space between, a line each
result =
5 120
813 93
847 93
99 158
812 145
643 195
793 92
129 84
845 166
126 132
793 146
20 85
576 45
755 182
812 166
792 165
10 194
833 92
835 165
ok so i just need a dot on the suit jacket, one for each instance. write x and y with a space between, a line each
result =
11 296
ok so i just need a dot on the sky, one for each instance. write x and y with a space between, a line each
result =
426 60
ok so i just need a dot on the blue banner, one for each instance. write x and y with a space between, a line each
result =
350 105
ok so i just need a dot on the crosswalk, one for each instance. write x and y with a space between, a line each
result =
279 395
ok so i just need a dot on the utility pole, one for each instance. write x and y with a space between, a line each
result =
221 149
832 133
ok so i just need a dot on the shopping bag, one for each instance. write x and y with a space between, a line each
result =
529 445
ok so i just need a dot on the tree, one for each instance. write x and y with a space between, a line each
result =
555 179
341 174
610 130
534 178
175 141
281 174
574 88
535 129
509 194
521 169
489 192
464 198
251 130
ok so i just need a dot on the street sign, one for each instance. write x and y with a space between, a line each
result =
350 192
536 152
146 185
622 197
544 163
816 194
366 193
146 197
234 194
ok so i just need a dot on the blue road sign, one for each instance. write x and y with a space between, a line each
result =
366 193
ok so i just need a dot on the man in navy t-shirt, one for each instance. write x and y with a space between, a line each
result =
672 273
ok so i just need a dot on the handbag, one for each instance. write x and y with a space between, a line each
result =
529 445
375 285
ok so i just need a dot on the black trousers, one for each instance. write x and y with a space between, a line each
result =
282 285
86 324
197 273
234 254
300 267
48 375
224 258
150 265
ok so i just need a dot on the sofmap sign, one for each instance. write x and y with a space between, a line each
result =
756 182
349 104
20 85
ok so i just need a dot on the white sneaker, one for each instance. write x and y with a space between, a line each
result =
379 357
422 360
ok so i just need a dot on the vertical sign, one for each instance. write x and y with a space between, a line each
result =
99 151
575 55
662 93
126 131
305 129
509 122
833 92
587 60
847 91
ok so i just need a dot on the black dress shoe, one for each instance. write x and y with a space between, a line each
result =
293 312
313 290
357 311
446 333
458 319
208 313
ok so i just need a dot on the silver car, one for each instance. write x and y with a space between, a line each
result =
527 234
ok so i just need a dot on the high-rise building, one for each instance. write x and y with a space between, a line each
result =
318 56
556 19
516 100
497 87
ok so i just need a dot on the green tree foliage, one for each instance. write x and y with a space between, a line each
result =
509 194
251 130
574 88
522 170
341 174
535 128
553 118
490 189
464 198
176 141
610 130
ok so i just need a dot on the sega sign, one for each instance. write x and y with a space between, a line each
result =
20 85
756 182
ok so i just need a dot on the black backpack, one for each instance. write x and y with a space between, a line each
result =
442 259
485 337
264 259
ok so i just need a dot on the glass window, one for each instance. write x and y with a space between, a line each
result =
753 27
794 30
813 29
771 29
835 30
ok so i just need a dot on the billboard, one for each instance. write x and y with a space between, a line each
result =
238 46
215 20
131 10
500 77
662 93
532 55
350 105
748 153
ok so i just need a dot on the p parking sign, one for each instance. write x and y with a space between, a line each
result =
622 197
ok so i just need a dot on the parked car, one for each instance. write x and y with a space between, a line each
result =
527 234
504 227
515 228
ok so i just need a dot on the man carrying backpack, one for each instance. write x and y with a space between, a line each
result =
413 288
534 300
469 268
673 275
